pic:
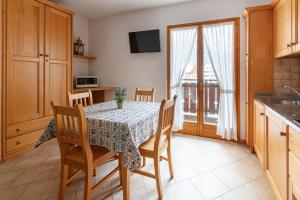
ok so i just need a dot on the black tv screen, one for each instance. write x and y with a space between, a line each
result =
144 41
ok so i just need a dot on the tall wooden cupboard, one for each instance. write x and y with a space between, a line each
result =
36 69
259 60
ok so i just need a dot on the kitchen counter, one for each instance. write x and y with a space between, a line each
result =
286 106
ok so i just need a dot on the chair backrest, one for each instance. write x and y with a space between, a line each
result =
144 95
71 129
165 121
84 98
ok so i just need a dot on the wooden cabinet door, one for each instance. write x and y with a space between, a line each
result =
24 71
296 26
277 154
259 132
58 48
282 15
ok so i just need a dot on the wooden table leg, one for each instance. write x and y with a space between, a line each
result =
125 173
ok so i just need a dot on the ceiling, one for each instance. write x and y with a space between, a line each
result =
92 9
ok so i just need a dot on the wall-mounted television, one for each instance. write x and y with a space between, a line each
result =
144 41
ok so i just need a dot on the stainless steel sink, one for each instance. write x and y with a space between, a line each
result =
292 102
297 121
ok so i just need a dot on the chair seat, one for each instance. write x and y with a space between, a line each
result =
148 146
99 154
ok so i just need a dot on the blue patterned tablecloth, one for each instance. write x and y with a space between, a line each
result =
121 130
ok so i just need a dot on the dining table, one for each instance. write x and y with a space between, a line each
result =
121 130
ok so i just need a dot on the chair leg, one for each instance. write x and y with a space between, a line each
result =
144 161
170 161
88 183
157 175
94 172
63 180
120 169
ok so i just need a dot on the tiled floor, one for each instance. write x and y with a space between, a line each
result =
204 169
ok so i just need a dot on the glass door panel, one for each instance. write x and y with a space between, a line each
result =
189 85
211 92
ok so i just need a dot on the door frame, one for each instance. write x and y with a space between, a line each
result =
1 75
191 128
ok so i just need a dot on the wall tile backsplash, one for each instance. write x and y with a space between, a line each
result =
286 72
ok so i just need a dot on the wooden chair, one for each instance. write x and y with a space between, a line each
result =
144 95
75 150
160 142
84 98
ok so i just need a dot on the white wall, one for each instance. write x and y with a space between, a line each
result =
116 66
81 29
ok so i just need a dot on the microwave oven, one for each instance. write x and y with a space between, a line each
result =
86 81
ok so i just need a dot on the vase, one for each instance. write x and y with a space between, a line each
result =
120 105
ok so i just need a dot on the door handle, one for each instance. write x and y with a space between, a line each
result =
282 133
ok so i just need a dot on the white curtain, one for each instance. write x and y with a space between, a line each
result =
182 42
219 46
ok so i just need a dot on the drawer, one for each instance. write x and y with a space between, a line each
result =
26 127
19 142
294 142
294 169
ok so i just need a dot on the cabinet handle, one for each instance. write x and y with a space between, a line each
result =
289 45
46 55
41 54
18 129
294 43
282 133
18 143
262 114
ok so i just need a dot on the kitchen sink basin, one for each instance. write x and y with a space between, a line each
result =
292 102
297 120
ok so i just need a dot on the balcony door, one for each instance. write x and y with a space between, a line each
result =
200 86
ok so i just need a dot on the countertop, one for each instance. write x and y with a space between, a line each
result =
289 113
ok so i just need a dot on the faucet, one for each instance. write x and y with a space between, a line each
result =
292 89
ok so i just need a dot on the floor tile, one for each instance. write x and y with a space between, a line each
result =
239 173
203 163
12 193
209 185
8 178
182 190
33 174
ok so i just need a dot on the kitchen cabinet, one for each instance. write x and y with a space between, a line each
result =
58 49
286 19
259 60
37 69
282 20
25 80
277 156
259 132
296 26
294 164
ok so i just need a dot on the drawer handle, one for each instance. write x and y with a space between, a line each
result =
18 129
262 114
18 143
282 133
289 45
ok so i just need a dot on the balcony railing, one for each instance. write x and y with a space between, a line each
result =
210 99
